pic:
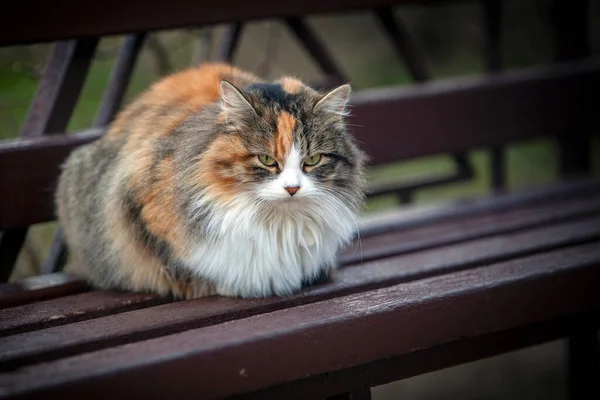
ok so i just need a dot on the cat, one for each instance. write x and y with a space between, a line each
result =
215 182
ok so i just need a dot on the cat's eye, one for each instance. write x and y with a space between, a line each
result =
313 160
267 160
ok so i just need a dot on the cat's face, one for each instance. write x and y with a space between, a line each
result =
285 145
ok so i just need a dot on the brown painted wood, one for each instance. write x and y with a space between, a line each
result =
408 218
38 288
420 228
500 108
86 306
26 198
468 228
552 277
282 346
136 325
112 17
443 355
69 309
514 106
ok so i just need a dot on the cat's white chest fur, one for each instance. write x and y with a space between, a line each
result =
255 256
268 242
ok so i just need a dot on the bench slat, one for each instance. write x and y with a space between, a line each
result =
38 288
456 231
395 124
116 329
95 304
92 305
412 217
33 186
69 309
343 332
418 229
426 360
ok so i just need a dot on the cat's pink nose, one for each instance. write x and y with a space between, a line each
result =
292 189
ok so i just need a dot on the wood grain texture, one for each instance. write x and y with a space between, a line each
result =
69 309
424 360
409 230
468 228
38 288
277 347
56 342
454 210
444 233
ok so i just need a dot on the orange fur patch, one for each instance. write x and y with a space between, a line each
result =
187 92
291 85
168 103
221 182
159 208
198 86
140 270
284 138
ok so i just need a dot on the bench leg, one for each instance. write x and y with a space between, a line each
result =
584 365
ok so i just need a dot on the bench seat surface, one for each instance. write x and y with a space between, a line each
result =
419 291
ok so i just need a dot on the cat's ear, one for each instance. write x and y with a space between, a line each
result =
336 101
233 99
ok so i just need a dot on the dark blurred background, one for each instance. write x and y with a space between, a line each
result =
452 40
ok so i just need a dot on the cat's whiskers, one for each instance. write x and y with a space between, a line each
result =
351 215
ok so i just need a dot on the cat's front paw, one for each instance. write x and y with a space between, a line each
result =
280 286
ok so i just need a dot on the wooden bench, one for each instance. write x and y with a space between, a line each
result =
425 287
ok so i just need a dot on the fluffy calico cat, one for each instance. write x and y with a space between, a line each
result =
213 181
